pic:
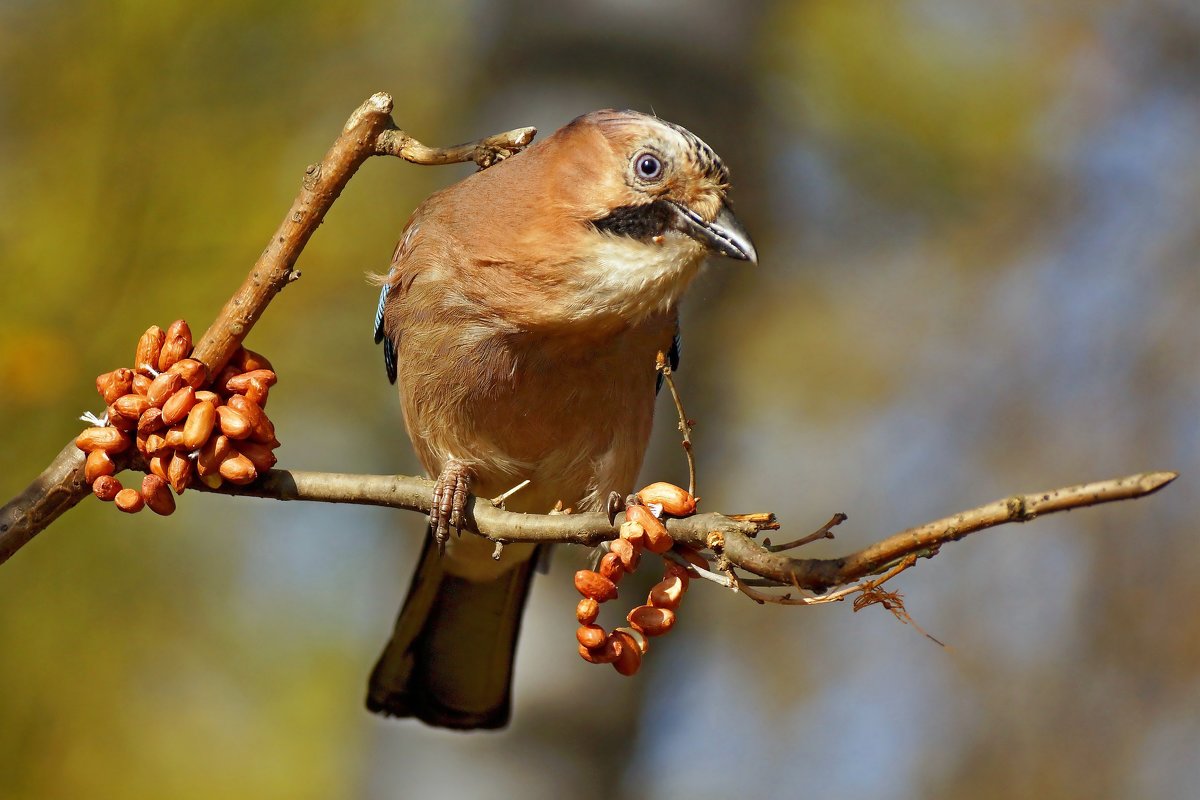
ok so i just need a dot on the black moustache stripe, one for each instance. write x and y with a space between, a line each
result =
637 222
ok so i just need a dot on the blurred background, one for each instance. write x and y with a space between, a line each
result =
978 234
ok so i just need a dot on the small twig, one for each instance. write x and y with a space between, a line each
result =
701 572
498 500
823 532
484 152
818 599
685 424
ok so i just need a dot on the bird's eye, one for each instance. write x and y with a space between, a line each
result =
648 166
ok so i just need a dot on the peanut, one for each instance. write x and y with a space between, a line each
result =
199 425
152 444
594 585
590 636
606 654
671 569
106 487
177 343
158 466
157 495
629 554
112 385
247 408
98 463
129 500
667 593
674 500
237 469
178 405
151 421
260 455
174 436
657 538
162 387
212 453
238 384
179 472
587 610
651 620
610 567
247 360
629 655
233 424
633 533
194 373
121 423
108 439
145 359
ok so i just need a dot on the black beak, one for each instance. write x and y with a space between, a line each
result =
724 235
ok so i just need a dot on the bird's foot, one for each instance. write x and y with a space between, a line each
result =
450 494
617 504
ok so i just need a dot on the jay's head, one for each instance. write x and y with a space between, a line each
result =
605 221
660 184
630 205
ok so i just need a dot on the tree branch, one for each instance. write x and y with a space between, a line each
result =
370 131
57 489
729 538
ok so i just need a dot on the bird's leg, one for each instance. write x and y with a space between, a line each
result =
450 494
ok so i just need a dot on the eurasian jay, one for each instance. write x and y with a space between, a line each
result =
521 319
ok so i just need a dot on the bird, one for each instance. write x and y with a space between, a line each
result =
521 318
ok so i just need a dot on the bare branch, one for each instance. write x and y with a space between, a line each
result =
925 540
58 488
729 538
485 152
823 532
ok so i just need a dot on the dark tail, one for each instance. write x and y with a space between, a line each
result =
449 662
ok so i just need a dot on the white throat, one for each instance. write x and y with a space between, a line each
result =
632 279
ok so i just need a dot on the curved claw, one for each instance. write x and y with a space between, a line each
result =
450 494
616 505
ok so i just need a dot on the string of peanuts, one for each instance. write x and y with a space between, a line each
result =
185 425
642 529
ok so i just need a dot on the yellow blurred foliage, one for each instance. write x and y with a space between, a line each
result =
36 365
884 78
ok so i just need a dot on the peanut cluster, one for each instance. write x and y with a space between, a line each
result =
641 530
184 424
